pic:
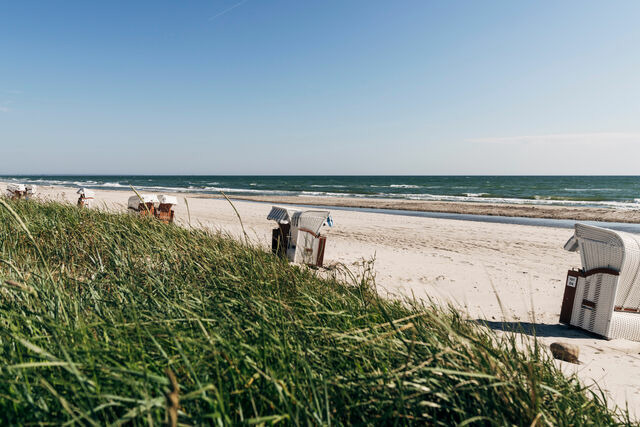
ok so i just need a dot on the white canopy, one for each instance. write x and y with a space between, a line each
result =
86 193
280 215
16 187
167 200
310 220
134 201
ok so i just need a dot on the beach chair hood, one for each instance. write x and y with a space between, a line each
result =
16 187
280 215
86 193
167 200
134 201
311 220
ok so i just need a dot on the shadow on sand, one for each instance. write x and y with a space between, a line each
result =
536 329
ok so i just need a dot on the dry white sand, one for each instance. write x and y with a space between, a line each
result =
467 263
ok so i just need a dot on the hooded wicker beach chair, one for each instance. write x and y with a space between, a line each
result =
16 191
30 190
298 234
144 204
86 197
604 296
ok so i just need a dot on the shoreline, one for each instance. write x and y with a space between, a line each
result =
524 210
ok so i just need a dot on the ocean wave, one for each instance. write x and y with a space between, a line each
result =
250 191
581 190
626 205
323 193
404 186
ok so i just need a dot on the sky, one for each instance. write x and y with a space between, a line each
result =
320 87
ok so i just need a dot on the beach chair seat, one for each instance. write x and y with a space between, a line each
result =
604 296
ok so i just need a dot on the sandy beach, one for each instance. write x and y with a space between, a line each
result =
466 263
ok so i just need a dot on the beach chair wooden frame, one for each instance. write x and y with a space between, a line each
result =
165 213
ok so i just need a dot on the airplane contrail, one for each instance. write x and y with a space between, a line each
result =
229 9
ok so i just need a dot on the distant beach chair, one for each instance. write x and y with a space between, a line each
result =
298 235
604 296
16 191
30 191
86 197
144 205
165 211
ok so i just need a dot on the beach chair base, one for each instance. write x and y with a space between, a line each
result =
84 202
16 195
142 210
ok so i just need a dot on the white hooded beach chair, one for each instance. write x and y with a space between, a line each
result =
86 197
298 234
16 191
604 296
144 205
165 211
30 190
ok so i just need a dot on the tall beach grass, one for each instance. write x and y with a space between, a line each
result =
115 319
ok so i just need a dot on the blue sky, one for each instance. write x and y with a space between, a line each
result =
324 87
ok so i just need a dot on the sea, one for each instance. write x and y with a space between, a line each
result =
616 192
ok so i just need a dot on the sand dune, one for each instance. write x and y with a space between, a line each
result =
463 262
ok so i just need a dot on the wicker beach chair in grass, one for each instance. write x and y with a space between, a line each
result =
30 191
143 204
16 191
165 211
604 296
298 234
85 198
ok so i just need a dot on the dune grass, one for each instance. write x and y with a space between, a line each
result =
114 319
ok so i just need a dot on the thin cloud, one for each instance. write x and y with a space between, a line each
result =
227 10
4 109
563 138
